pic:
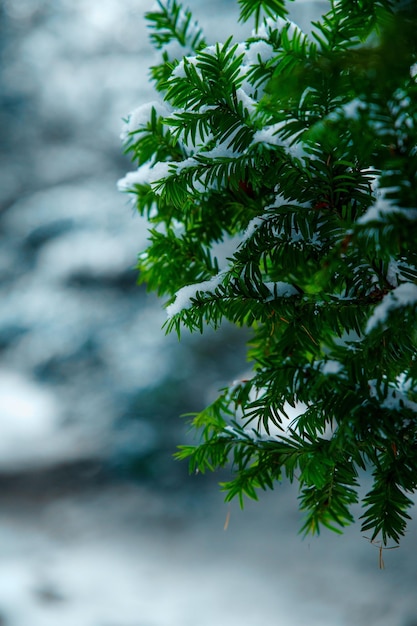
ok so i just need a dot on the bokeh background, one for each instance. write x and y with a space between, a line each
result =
99 526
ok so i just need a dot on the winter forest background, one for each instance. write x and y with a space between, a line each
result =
98 525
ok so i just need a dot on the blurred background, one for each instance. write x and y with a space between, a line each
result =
99 526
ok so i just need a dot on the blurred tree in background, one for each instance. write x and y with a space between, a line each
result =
300 152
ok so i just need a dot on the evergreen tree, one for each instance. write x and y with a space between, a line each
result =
301 152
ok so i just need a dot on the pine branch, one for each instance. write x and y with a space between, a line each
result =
299 151
174 23
256 7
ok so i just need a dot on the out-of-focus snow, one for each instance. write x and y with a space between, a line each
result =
83 358
128 558
28 417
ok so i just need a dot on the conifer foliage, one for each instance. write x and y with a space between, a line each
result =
300 151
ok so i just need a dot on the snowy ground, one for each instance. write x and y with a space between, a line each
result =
91 389
125 556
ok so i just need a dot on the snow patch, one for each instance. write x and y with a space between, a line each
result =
139 117
30 423
270 135
179 70
404 295
396 398
248 102
141 176
280 290
332 367
146 174
222 150
259 51
280 23
383 207
287 422
352 109
185 294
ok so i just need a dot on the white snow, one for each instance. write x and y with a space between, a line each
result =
26 412
248 102
287 420
404 295
383 206
258 51
393 273
146 174
280 290
31 430
126 557
179 70
252 227
99 256
270 135
141 176
279 24
183 296
222 150
396 397
332 367
396 400
140 116
129 556
351 109
255 52
377 211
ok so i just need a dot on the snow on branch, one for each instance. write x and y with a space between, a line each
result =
404 295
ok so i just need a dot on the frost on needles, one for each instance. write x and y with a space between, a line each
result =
299 150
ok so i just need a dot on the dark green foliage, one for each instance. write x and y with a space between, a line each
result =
300 153
257 7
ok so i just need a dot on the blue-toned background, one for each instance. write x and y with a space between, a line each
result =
98 525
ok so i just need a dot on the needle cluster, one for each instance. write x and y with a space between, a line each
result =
300 151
